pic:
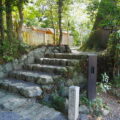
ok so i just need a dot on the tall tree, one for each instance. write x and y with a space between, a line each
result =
1 23
9 22
51 11
60 10
20 24
105 22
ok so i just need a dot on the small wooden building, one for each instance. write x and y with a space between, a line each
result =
43 36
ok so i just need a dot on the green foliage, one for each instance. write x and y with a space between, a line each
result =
114 43
106 17
76 37
58 102
9 48
114 50
95 106
116 81
84 100
8 58
104 85
13 50
107 10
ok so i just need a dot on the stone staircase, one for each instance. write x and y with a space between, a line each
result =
34 79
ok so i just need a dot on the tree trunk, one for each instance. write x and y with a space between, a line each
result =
99 36
9 22
1 23
60 5
19 29
53 25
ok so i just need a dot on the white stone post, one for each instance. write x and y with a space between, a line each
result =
73 108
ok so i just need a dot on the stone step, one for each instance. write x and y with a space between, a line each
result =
55 61
39 112
24 109
11 101
59 70
35 77
66 55
26 89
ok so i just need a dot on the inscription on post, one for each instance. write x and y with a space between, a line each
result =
92 76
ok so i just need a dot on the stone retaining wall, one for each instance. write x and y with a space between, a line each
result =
30 57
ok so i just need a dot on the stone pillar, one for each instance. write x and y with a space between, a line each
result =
73 108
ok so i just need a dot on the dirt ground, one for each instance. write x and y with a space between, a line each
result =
114 105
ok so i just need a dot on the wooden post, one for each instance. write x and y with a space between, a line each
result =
92 76
73 110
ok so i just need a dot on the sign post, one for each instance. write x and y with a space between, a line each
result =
92 76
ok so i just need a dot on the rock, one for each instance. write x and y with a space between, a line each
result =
2 74
42 49
60 117
105 112
31 54
83 109
56 51
83 117
22 59
46 87
13 103
24 88
99 118
38 53
10 116
31 92
47 98
29 60
62 49
8 67
1 67
16 65
66 104
65 91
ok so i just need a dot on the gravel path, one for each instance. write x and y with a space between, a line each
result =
114 105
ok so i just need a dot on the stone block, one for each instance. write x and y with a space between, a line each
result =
29 60
84 109
15 64
38 54
31 54
73 109
23 57
8 67
83 117
1 67
2 74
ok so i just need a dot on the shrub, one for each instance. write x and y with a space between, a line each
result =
104 85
